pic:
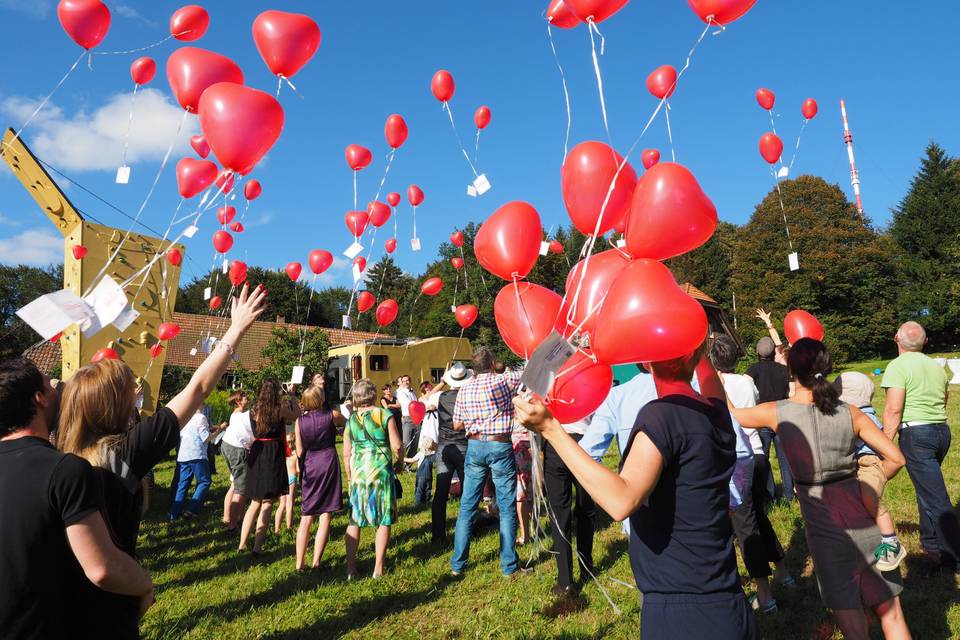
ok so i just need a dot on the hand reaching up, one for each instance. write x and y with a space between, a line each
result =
248 307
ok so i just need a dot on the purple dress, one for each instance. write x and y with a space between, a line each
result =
321 466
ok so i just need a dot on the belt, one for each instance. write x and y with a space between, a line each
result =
904 425
503 437
825 482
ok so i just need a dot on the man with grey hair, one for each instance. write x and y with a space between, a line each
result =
916 407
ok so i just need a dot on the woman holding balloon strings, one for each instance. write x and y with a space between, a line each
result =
673 485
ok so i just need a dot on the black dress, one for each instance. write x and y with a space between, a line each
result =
267 478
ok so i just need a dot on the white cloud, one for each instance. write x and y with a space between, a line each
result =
126 11
261 220
340 265
9 222
94 141
33 247
37 9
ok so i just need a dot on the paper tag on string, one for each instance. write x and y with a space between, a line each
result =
347 323
453 308
541 370
471 191
123 175
126 318
226 265
297 376
481 184
415 244
50 314
353 250
783 172
207 293
357 274
193 351
621 243
108 301
208 344
190 231
544 248
794 261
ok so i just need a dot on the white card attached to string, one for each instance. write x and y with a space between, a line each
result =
108 301
544 248
783 172
50 314
346 322
357 274
453 308
621 242
353 250
297 376
208 344
126 318
226 265
471 191
794 261
481 184
415 244
207 293
193 351
541 370
123 175
190 231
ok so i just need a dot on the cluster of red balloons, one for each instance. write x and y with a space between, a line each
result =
567 14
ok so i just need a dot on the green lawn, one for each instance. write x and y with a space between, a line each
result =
206 590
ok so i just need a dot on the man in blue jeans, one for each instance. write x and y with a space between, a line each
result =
916 406
484 411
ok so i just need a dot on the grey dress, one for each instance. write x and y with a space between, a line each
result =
840 533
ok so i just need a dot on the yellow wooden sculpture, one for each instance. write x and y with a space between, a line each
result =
154 302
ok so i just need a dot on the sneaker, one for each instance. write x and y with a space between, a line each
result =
770 607
889 556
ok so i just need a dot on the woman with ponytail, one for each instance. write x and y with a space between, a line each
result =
819 434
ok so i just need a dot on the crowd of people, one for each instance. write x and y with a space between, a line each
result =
695 478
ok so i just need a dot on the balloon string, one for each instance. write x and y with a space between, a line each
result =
566 93
446 107
773 125
126 138
591 28
303 339
456 287
143 205
457 348
666 113
783 209
466 280
159 250
139 49
476 150
797 147
354 189
414 221
516 291
45 100
385 172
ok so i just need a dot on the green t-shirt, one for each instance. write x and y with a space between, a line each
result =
925 383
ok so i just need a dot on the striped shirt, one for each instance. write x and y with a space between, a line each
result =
485 404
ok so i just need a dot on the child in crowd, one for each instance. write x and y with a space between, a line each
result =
857 389
424 461
285 508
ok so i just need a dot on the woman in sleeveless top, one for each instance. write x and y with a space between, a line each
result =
371 450
267 473
819 435
316 435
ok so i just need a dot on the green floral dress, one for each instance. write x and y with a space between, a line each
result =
372 494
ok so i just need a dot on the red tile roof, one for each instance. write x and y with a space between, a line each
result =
696 294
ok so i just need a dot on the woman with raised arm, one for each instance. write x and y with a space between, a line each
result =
819 435
674 487
97 422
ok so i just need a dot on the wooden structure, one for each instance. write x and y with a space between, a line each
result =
155 301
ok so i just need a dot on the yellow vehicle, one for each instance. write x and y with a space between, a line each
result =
385 359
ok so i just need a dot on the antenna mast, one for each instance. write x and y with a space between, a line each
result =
848 141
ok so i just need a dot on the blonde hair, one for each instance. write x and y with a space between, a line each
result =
313 398
97 406
364 393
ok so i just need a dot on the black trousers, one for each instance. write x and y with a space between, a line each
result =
758 541
559 484
448 460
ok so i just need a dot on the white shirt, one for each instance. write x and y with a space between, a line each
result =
579 427
193 439
239 433
405 397
430 427
743 394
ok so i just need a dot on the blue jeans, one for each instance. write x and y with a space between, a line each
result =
925 447
497 458
424 481
199 469
767 436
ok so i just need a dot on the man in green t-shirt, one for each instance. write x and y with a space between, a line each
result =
916 406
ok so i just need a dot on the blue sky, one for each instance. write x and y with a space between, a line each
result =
895 68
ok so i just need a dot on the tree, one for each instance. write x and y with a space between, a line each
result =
20 285
709 268
845 268
926 233
283 352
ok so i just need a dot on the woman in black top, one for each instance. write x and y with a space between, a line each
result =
673 485
97 422
267 474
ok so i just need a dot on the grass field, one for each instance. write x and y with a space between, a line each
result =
206 590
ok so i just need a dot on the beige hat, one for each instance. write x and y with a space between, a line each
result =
855 388
457 375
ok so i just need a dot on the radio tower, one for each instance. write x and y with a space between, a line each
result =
848 141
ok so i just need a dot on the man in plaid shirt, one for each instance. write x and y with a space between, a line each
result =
484 410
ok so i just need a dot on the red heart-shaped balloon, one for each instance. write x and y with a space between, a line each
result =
580 387
142 70
215 302
379 213
156 350
191 70
79 251
393 198
415 195
293 270
766 98
670 214
168 330
442 85
809 108
720 11
431 286
252 190
199 144
457 262
240 123
525 314
222 241
800 324
559 15
662 81
456 238
193 176
593 283
357 157
174 256
508 242
360 263
286 41
649 157
417 411
466 315
237 227
771 147
226 214
237 273
390 245
594 10
320 260
86 21
481 117
387 312
365 301
646 317
356 222
189 23
395 130
585 179
556 246
105 354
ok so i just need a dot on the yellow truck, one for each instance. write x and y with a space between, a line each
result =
385 359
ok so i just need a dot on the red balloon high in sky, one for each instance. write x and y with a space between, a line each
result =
662 81
286 41
395 130
585 178
191 70
240 124
508 243
189 23
86 21
442 85
142 70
